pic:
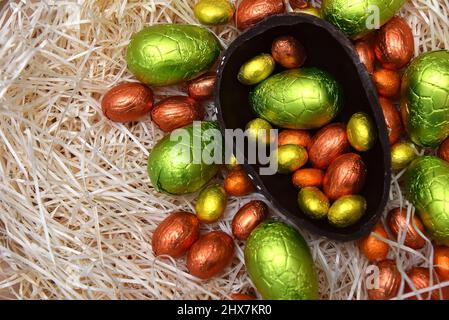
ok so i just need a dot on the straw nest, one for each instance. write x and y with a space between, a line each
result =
77 207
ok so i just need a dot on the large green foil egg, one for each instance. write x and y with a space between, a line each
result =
171 171
279 263
425 98
306 98
427 187
167 54
356 18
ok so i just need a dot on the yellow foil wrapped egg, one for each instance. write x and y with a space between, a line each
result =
361 132
213 12
290 157
259 129
346 211
256 69
211 203
402 154
313 202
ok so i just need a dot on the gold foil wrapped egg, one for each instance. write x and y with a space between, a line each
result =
248 217
387 82
202 88
211 203
394 44
397 222
366 54
313 203
328 143
309 10
210 255
443 150
259 129
441 262
393 120
250 12
256 69
389 282
346 211
238 184
308 177
345 176
402 154
288 52
301 138
373 248
290 157
232 164
361 132
213 12
176 234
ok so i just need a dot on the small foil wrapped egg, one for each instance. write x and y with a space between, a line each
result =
248 218
389 281
210 255
202 88
298 4
175 112
308 177
290 157
241 296
397 222
313 203
327 144
361 132
402 154
250 12
366 54
443 150
420 278
346 211
213 12
309 10
232 164
256 69
279 263
301 138
373 248
441 262
387 82
393 120
238 184
211 203
288 52
127 102
394 44
176 234
259 129
345 176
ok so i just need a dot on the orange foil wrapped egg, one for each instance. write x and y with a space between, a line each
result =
441 262
373 248
389 282
210 255
176 234
345 176
288 52
420 278
299 4
387 82
366 54
248 217
393 120
240 296
202 88
394 44
328 143
238 184
251 12
176 112
127 102
397 222
443 150
308 177
301 138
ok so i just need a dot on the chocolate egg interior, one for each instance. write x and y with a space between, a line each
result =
327 49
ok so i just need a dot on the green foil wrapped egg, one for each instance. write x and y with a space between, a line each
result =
306 98
425 98
168 54
279 263
171 164
356 18
427 187
361 132
213 12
